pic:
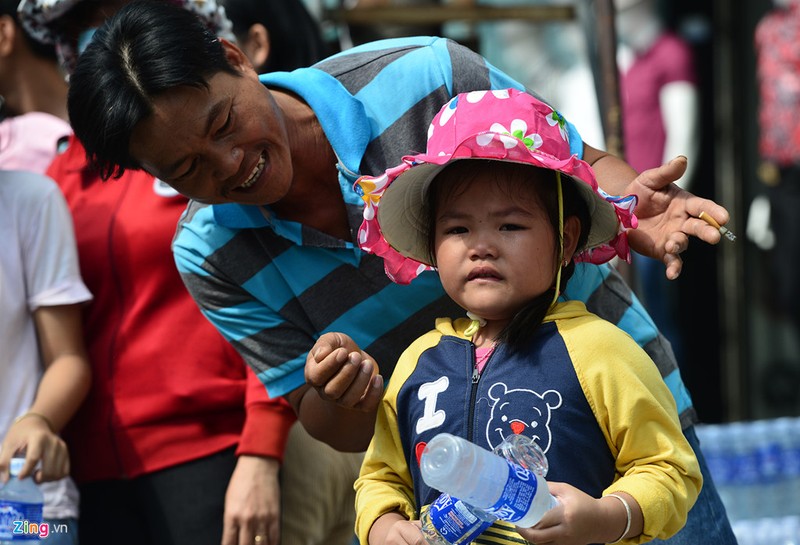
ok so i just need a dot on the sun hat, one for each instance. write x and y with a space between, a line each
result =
505 125
40 18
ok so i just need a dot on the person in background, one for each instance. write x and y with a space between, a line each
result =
276 35
44 370
778 75
178 441
33 97
268 247
40 302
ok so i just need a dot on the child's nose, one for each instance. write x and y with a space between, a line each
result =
482 247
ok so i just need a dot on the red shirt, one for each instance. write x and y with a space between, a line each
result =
669 60
777 42
167 388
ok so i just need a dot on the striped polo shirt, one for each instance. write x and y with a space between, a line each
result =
273 286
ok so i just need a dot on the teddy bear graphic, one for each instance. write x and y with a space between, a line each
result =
520 411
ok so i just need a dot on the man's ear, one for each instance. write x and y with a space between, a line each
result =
236 56
256 46
8 32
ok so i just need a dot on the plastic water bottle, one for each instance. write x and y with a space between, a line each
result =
450 521
485 480
787 430
20 508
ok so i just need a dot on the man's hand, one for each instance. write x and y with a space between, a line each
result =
668 216
252 503
344 374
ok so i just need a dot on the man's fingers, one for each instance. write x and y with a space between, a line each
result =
674 265
319 372
374 394
663 175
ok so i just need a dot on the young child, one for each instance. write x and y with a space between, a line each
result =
502 210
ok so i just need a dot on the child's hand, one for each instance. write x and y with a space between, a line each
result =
394 529
578 519
343 373
34 437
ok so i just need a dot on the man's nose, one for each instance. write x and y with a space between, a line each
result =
227 159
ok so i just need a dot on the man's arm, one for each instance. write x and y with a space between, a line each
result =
342 392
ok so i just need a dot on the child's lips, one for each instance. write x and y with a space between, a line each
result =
483 273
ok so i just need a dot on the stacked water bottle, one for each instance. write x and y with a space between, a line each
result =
756 468
480 486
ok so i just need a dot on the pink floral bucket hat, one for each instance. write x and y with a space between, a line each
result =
506 125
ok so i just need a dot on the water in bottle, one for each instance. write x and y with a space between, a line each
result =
20 508
482 479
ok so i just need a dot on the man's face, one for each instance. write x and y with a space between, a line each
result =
220 144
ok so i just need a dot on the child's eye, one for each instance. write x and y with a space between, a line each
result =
455 230
511 227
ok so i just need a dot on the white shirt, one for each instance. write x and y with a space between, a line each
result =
38 267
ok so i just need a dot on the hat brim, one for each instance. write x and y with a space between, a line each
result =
403 211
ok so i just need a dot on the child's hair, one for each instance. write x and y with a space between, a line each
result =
453 179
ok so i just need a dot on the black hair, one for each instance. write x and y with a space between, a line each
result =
524 324
295 37
45 51
147 48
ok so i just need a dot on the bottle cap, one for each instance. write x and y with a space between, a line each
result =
16 466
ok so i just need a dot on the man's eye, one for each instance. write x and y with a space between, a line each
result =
227 123
188 172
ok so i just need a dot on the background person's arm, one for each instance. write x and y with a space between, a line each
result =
63 387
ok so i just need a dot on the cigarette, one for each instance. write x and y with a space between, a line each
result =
713 223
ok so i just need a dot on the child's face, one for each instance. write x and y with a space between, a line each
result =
494 245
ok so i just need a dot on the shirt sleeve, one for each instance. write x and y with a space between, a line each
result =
654 461
273 347
51 260
385 483
267 424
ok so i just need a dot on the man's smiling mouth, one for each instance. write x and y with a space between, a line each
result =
257 170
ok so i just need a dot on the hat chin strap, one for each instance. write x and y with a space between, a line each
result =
475 324
560 236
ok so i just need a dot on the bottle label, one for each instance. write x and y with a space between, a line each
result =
20 521
453 520
518 494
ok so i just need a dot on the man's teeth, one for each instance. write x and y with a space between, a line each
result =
254 175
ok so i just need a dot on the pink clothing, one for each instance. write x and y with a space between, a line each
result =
778 69
29 141
668 61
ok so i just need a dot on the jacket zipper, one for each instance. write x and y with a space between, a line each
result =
476 376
